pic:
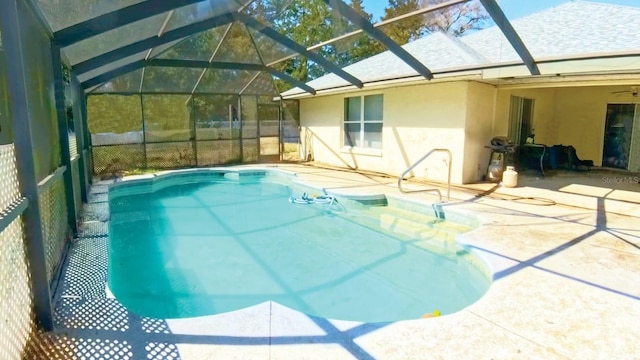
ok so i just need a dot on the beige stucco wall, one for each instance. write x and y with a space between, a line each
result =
416 119
481 99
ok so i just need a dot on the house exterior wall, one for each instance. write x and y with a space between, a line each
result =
461 116
416 119
481 99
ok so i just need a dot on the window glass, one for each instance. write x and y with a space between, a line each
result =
352 109
373 107
352 134
373 135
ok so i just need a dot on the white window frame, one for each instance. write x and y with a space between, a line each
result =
362 148
517 114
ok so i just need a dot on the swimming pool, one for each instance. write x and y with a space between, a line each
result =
206 243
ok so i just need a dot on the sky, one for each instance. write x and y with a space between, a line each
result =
512 8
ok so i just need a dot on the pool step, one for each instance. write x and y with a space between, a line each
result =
412 219
418 230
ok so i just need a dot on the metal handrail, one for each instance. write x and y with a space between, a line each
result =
434 189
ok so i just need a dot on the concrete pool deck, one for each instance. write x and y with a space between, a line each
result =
564 252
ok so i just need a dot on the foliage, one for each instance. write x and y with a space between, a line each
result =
114 113
310 22
403 31
454 20
457 20
167 117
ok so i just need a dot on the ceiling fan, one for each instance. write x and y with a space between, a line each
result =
633 91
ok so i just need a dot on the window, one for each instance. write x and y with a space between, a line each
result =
363 122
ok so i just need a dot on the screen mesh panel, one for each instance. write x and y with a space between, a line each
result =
238 47
113 159
40 94
127 83
170 155
62 14
53 215
114 39
170 79
167 118
216 117
197 47
218 152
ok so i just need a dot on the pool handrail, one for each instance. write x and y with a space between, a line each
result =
433 189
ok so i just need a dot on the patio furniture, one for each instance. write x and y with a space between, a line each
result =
543 158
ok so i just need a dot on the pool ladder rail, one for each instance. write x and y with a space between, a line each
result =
432 151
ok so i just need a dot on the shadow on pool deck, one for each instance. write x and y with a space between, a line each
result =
566 285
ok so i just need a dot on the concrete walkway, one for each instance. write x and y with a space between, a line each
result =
565 260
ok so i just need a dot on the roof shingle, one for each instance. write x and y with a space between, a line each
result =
568 30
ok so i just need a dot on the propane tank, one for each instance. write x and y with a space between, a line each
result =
510 177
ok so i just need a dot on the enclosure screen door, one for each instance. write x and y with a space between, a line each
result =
520 120
269 132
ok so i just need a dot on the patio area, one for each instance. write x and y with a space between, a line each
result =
564 252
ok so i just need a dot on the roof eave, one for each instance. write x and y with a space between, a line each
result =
397 82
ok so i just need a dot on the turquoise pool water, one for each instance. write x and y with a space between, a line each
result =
212 247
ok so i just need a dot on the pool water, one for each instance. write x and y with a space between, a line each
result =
212 247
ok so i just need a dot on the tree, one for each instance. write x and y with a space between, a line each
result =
363 46
406 30
456 20
309 22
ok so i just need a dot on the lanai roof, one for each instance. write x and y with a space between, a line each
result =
128 45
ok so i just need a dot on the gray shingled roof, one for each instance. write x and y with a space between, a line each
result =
437 49
568 30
